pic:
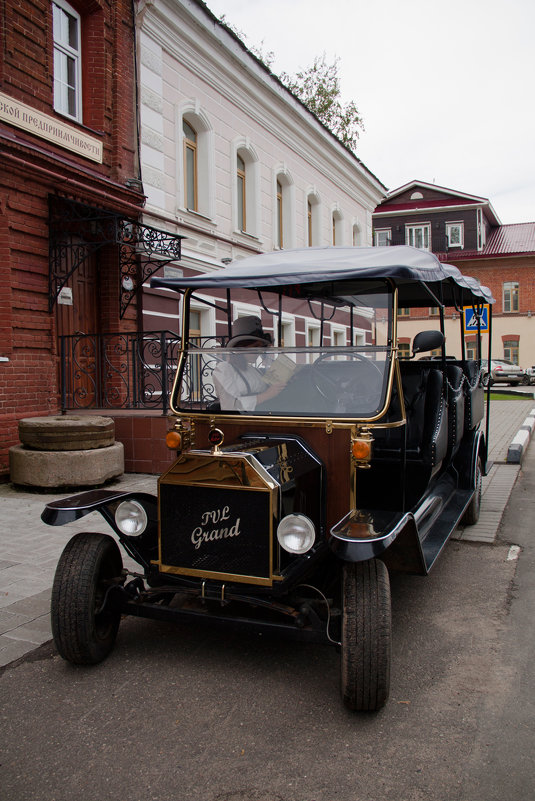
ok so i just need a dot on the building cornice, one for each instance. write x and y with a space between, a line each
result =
216 57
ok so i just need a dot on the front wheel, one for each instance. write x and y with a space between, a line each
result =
366 635
84 628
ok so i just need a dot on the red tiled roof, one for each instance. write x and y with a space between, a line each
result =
514 238
505 240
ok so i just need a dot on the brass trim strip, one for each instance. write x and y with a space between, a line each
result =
206 574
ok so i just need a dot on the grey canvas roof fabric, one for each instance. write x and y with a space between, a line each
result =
406 266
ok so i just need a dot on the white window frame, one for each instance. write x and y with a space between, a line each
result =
450 226
313 198
283 177
356 234
410 232
244 149
63 51
380 234
481 230
510 289
199 121
511 350
337 230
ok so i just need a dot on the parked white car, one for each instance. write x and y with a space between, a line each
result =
503 372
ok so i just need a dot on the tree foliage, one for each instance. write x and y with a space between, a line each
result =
318 87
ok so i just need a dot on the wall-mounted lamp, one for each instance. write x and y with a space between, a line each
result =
226 260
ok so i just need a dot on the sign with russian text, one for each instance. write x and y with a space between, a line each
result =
53 130
470 318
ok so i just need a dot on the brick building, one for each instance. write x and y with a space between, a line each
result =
464 230
70 195
125 127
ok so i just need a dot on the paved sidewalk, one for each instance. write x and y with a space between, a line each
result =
29 549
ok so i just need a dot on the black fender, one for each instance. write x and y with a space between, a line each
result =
370 534
142 548
472 447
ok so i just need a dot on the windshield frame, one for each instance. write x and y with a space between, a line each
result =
344 419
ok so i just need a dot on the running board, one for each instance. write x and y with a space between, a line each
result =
437 535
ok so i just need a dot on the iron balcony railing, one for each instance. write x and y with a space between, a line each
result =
127 370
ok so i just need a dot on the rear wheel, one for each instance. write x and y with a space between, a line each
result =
83 626
471 516
366 635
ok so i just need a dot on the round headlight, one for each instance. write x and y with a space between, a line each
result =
131 518
296 533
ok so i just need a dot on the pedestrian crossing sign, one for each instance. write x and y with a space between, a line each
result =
470 317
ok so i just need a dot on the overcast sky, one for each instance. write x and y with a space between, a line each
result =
446 89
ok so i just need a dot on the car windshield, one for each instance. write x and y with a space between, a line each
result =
322 355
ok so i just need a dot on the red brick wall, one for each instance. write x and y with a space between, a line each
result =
494 272
32 168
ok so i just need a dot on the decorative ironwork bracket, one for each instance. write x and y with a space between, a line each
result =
76 231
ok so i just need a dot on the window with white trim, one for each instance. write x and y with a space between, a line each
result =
404 350
510 296
383 237
511 350
241 192
190 165
455 234
196 140
337 227
66 24
313 219
284 226
418 236
246 193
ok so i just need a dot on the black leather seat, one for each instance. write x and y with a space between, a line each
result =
427 417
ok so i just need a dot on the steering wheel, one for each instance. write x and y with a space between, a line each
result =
331 389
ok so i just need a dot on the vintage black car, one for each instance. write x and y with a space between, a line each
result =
311 460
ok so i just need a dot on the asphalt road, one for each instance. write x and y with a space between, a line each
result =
178 713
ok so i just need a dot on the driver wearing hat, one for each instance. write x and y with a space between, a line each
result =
239 384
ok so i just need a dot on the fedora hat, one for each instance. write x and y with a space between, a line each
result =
248 329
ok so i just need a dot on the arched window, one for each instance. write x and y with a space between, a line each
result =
284 233
337 227
246 189
196 192
190 166
313 221
279 237
241 191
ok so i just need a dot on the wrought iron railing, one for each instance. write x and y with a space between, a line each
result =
130 370
118 370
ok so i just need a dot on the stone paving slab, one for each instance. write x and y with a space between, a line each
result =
29 549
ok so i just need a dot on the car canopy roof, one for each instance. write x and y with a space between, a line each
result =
410 269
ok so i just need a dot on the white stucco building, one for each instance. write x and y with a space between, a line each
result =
231 159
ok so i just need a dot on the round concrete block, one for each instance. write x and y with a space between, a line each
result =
82 468
67 432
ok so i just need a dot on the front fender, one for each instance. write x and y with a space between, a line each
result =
143 548
67 510
369 534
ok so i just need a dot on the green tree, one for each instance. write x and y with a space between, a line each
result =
318 87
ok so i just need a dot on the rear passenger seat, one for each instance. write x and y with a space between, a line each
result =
427 417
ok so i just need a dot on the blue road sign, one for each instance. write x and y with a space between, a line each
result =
470 318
